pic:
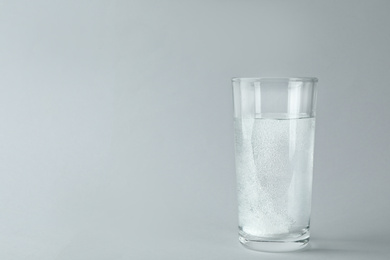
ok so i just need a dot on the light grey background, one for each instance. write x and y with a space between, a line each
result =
117 134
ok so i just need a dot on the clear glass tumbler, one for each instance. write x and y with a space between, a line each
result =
274 121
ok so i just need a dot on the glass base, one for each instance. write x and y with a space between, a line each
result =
271 245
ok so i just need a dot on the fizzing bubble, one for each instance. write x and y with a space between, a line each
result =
273 161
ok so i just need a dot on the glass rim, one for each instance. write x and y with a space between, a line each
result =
276 79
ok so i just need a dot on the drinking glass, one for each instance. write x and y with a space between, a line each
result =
274 122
